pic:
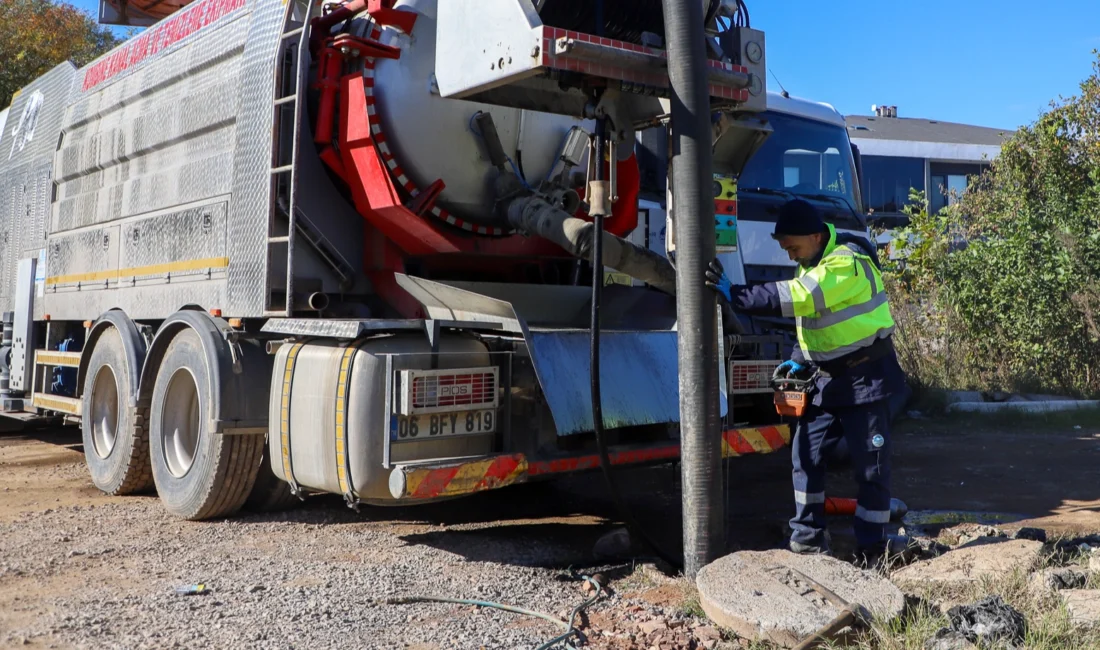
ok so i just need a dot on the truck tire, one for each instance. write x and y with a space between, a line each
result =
116 439
199 474
269 493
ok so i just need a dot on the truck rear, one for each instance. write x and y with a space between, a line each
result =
267 249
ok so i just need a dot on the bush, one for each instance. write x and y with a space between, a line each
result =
1016 306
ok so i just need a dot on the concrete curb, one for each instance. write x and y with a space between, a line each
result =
1023 407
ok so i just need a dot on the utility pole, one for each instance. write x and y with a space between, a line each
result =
693 216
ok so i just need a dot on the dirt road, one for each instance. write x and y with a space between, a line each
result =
78 569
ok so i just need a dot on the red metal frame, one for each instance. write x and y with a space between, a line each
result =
403 223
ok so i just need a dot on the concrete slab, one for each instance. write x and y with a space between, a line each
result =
1083 606
757 595
992 558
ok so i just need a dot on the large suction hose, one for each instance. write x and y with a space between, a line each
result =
700 439
537 216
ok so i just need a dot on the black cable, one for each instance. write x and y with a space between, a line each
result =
594 358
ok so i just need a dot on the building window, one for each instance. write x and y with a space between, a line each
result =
949 181
888 181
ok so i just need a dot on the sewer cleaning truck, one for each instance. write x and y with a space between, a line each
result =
268 249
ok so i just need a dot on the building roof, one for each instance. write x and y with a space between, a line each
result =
869 127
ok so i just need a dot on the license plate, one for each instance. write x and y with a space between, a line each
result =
442 425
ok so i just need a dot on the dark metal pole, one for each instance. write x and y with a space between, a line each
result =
693 215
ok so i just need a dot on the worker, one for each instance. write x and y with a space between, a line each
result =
844 326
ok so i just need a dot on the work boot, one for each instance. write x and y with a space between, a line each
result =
809 549
894 551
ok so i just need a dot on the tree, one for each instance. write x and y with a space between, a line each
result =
37 35
1022 300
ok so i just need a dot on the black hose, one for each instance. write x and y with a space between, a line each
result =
693 210
600 150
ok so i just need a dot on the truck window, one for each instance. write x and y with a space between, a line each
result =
805 159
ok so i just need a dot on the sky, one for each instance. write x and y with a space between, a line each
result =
992 63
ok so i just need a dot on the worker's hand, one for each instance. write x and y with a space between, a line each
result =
718 280
790 368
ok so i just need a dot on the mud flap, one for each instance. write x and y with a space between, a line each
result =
639 373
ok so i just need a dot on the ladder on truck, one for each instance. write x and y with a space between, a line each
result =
286 221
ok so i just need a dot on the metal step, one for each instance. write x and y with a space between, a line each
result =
58 359
70 405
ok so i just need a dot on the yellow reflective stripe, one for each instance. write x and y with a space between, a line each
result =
342 419
284 412
154 269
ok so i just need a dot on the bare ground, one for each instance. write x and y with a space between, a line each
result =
79 569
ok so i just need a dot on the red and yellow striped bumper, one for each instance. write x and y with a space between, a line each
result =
413 482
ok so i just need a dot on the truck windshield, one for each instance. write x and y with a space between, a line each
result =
808 159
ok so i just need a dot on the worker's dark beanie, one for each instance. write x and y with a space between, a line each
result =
798 217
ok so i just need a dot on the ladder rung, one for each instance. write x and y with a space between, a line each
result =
281 170
278 240
292 33
286 100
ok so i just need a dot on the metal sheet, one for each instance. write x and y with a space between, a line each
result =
27 145
251 209
22 347
638 374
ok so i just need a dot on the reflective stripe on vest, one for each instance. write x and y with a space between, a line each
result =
830 333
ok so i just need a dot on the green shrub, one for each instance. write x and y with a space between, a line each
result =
1017 307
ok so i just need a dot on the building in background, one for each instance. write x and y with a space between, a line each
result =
903 153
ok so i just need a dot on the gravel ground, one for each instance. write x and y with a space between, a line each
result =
79 569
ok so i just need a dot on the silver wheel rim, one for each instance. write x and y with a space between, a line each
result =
179 424
105 408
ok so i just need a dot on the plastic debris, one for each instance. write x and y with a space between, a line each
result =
192 590
990 619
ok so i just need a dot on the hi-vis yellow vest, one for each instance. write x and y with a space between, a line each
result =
839 306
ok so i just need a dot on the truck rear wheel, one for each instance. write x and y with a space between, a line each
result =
116 440
199 474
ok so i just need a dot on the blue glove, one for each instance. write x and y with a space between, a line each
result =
789 368
718 280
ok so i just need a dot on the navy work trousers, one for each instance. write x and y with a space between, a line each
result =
866 429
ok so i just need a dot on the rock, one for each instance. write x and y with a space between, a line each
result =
1058 579
1083 606
1037 534
1094 562
255 588
759 596
613 545
968 565
947 639
649 627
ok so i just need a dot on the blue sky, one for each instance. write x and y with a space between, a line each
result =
990 62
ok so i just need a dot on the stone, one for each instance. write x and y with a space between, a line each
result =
759 596
1094 562
613 545
649 627
1083 606
1037 534
947 639
993 559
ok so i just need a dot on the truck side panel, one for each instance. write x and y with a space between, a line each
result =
146 185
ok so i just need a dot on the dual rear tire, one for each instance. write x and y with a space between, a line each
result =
170 444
